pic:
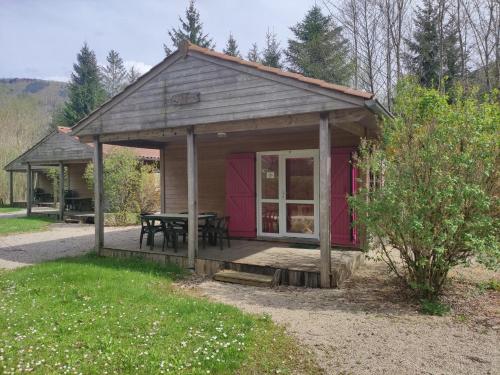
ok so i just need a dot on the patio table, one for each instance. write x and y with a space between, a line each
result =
169 217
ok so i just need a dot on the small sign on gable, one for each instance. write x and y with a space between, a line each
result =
184 98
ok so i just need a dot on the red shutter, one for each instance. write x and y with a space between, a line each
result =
240 194
343 184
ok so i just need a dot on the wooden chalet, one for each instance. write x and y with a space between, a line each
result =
268 148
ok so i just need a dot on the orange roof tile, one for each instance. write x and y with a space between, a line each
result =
318 82
63 129
142 153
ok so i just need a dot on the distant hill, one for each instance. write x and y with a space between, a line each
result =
26 109
49 94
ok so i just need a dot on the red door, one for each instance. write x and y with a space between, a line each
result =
343 185
240 195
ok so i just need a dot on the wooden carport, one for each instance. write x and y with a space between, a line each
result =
57 149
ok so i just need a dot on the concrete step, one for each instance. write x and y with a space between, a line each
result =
244 278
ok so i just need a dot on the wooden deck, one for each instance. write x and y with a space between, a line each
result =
292 265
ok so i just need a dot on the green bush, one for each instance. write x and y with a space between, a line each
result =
119 219
492 284
149 192
438 205
129 186
432 307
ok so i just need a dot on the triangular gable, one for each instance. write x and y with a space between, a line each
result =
57 146
197 86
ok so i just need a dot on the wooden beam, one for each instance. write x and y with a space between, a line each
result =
11 188
325 156
279 122
162 180
29 188
308 119
192 177
61 191
98 196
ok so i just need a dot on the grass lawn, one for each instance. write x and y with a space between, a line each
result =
99 315
6 210
9 225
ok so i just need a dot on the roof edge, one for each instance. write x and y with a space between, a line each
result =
376 107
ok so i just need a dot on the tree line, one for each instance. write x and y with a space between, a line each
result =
91 84
366 44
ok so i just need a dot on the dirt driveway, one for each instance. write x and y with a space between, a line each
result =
60 240
363 328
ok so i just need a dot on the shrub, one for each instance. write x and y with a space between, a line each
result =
129 186
119 219
432 307
492 284
438 205
149 192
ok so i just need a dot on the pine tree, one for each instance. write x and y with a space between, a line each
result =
452 57
319 50
132 75
232 47
114 74
271 55
85 89
253 53
423 58
191 29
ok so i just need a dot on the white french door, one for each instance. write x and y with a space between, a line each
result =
287 193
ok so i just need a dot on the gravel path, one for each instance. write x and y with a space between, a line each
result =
20 213
363 329
60 240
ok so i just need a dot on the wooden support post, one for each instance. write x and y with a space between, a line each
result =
366 186
98 196
162 181
61 191
11 188
325 197
367 199
69 178
29 189
192 177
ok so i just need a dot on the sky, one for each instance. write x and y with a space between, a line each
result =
40 38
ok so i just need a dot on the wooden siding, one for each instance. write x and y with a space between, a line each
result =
227 93
212 155
58 147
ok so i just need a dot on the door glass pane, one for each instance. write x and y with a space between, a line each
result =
300 218
270 176
270 218
300 178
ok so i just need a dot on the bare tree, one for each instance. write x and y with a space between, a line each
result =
371 44
462 30
376 31
484 20
348 16
400 16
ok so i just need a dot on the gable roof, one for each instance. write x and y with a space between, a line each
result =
85 151
280 72
359 97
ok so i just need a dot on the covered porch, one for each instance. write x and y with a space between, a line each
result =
215 135
289 263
